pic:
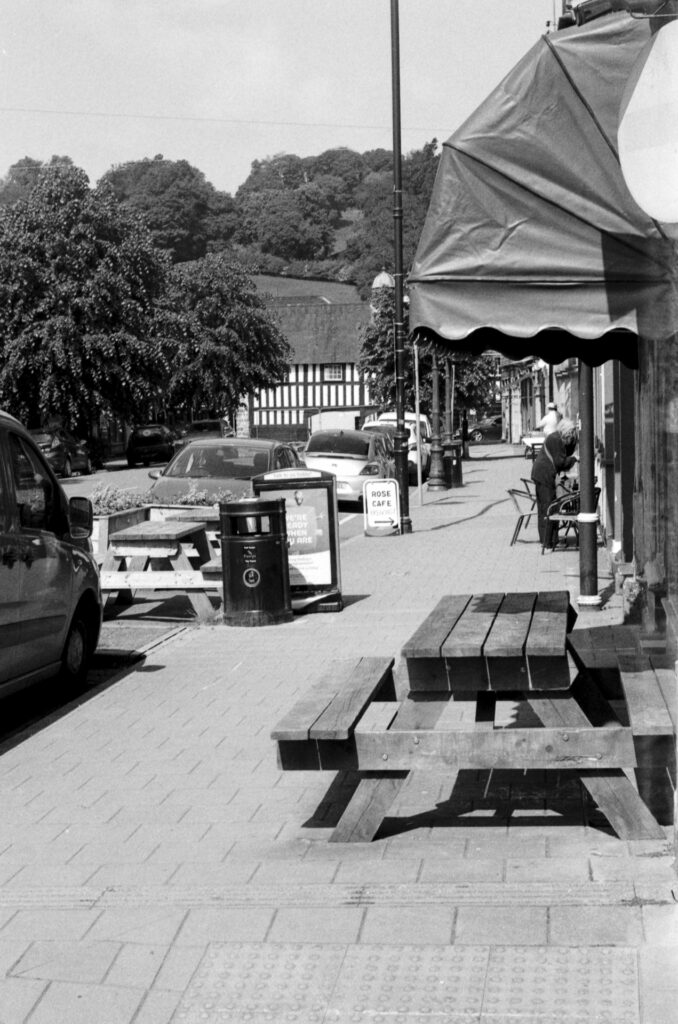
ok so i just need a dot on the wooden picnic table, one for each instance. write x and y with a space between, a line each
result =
160 555
472 654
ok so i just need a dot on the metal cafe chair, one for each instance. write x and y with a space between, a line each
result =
563 513
520 500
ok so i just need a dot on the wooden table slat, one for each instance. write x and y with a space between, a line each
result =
548 629
427 641
337 720
508 633
467 638
151 530
648 713
498 748
296 724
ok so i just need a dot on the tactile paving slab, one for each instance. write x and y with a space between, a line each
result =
537 985
289 983
383 984
253 983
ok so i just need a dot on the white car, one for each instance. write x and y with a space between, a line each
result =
388 429
352 456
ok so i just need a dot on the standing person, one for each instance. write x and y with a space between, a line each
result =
549 422
556 456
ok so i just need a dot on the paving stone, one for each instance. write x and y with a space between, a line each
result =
595 925
83 1004
18 996
49 923
660 927
86 962
144 924
408 925
157 1008
210 924
317 924
501 925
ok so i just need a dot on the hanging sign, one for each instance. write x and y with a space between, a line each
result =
381 508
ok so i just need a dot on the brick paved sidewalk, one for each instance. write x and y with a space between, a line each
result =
156 866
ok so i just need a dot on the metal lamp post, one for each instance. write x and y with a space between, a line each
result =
402 475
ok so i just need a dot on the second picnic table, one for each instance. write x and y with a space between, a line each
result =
159 555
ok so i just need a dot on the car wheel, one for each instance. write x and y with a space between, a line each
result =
89 468
75 657
68 469
131 463
476 435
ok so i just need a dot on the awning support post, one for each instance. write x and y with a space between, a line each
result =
588 514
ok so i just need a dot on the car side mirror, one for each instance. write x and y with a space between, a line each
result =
80 518
154 474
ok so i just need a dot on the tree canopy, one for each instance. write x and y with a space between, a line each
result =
185 214
223 342
79 281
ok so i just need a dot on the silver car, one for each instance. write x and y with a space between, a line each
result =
353 456
50 600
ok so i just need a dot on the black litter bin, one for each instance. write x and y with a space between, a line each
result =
452 455
456 479
254 562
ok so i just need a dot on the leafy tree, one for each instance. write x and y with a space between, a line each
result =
183 211
224 343
377 351
370 246
23 176
282 172
79 279
475 376
283 223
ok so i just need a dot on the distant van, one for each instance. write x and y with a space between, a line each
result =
50 599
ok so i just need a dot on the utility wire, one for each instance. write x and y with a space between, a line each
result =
204 120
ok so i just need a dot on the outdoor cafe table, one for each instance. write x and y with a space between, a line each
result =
156 555
472 654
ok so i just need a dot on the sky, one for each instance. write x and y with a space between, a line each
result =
222 83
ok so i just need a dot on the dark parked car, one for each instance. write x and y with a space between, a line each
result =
152 442
488 429
221 467
200 430
65 453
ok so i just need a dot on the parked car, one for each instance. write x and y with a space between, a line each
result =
488 429
388 429
50 600
152 442
353 456
64 452
199 430
220 467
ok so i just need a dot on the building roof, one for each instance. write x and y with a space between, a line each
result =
321 333
321 320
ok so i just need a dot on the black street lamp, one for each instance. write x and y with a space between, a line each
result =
401 436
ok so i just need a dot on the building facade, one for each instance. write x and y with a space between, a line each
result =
322 322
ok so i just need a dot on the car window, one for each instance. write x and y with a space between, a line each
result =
236 462
33 488
339 444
